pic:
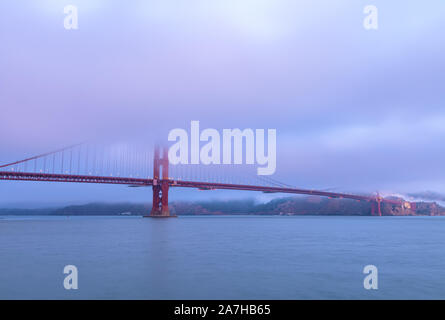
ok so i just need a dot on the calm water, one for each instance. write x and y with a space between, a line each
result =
222 257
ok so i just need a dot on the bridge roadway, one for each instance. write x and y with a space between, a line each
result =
143 182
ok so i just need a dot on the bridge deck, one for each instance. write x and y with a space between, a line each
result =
30 176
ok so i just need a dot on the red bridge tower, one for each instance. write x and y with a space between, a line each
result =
160 185
376 208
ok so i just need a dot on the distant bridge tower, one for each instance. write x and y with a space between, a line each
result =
160 185
376 208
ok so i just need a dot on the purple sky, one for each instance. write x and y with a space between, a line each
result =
354 109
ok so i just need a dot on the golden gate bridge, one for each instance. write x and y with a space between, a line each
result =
86 164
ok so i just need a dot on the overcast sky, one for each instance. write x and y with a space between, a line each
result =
355 109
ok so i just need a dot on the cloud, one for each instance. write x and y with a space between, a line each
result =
428 196
355 109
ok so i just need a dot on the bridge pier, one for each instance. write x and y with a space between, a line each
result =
160 185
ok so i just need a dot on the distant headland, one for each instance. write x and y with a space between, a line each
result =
290 206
